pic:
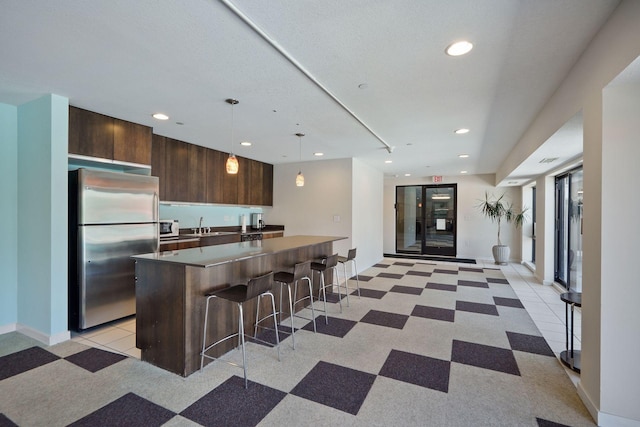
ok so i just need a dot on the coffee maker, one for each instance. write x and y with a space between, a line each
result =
257 223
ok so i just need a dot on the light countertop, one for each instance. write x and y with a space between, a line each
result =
209 256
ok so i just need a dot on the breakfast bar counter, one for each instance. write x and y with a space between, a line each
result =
171 288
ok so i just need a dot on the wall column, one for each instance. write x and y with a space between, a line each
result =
42 218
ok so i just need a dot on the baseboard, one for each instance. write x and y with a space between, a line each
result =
5 329
530 266
431 258
602 418
588 403
43 338
606 420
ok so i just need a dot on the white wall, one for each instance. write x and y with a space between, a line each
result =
615 46
545 229
476 234
367 214
339 198
619 290
322 207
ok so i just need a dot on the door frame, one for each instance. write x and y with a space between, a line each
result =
430 250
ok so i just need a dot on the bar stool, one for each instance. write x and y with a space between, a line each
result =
351 257
300 272
258 287
328 263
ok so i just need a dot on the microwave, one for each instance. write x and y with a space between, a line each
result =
169 228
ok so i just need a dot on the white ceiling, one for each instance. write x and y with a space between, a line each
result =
129 59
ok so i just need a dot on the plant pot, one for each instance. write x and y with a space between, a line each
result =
501 254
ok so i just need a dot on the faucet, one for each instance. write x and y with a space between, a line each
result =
200 226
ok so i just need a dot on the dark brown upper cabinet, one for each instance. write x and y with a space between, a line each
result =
131 142
158 162
90 134
176 182
229 182
256 193
197 174
215 176
96 135
267 184
244 180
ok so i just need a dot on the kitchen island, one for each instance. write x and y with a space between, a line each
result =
171 288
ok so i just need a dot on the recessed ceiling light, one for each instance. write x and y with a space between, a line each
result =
459 48
388 161
461 131
363 86
318 154
463 156
160 116
463 171
180 123
246 143
407 174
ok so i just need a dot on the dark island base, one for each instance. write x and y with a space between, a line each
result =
170 303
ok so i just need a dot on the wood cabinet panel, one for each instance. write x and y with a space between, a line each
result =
90 134
158 162
215 171
267 184
131 142
177 170
197 174
229 183
244 181
256 190
190 173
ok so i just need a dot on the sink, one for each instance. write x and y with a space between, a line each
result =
211 233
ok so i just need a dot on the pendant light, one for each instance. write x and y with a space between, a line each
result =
232 162
300 177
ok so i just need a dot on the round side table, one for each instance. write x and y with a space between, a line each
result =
570 357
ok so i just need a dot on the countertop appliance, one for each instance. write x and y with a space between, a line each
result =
111 217
257 221
169 229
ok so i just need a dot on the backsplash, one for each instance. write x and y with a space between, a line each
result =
212 216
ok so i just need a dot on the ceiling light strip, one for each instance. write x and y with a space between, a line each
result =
299 66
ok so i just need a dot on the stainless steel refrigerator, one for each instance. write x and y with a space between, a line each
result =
111 217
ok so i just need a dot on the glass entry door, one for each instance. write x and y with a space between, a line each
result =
568 247
426 219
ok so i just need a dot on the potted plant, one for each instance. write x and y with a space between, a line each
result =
498 210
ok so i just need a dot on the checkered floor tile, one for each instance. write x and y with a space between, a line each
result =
421 329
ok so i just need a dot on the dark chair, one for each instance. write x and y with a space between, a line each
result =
351 257
327 263
300 272
258 287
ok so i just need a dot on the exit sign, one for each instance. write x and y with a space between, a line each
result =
437 178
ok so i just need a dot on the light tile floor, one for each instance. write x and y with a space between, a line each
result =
542 302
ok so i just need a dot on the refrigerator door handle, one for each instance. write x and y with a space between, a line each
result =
156 202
